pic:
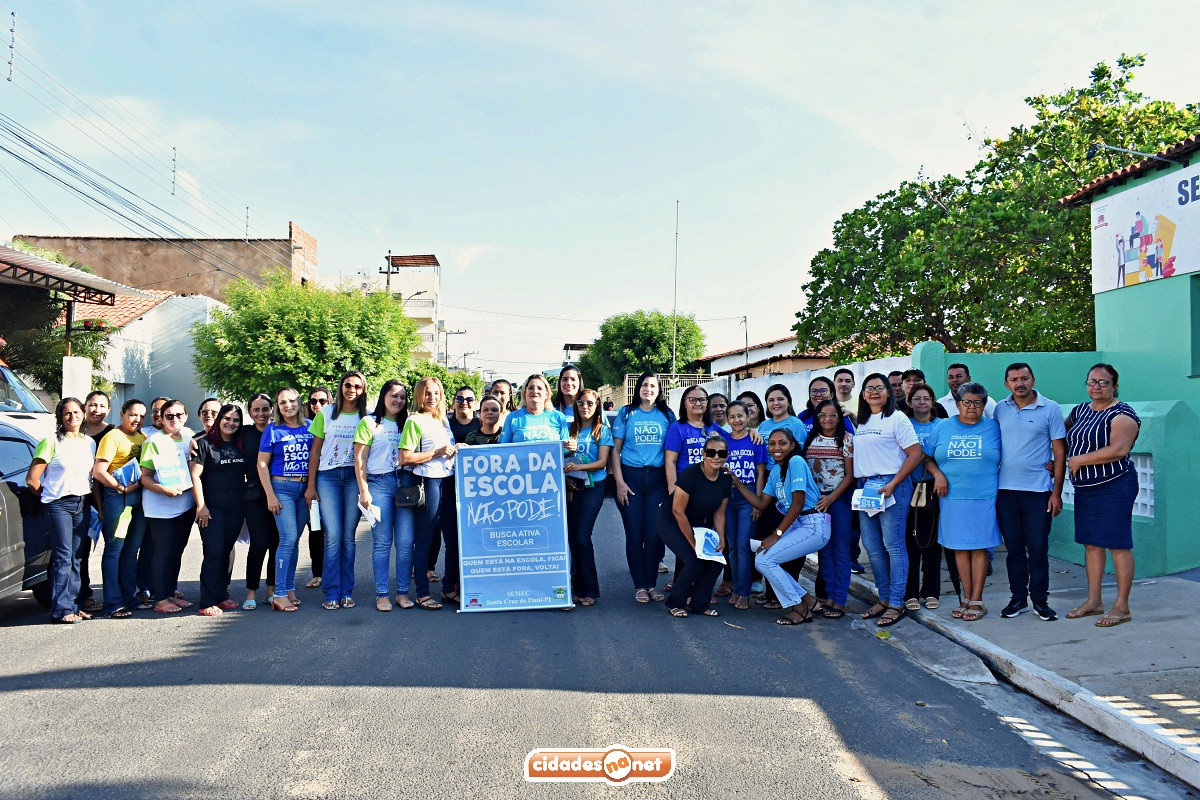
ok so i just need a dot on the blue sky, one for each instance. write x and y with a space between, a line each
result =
539 148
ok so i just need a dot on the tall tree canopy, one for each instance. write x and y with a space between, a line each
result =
640 341
284 334
989 260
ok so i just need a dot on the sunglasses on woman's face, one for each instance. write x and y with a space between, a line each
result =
711 453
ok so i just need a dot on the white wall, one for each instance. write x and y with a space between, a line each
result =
153 354
756 354
797 382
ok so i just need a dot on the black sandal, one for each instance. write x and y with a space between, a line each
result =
890 617
879 609
833 612
795 617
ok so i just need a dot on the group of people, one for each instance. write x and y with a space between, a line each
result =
774 485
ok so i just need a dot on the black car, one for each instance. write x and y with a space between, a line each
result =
24 537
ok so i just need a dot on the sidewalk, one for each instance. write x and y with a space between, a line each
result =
1137 684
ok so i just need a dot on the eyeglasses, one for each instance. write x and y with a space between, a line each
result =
875 389
357 386
462 398
180 415
318 401
698 401
1098 383
972 403
827 416
711 453
821 392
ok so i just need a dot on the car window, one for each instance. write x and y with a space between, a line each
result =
15 455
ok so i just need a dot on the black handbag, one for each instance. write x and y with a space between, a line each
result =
411 496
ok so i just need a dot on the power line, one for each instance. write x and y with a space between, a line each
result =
523 316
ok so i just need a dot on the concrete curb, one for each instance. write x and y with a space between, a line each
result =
1107 719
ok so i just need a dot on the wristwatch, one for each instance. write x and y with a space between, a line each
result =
779 533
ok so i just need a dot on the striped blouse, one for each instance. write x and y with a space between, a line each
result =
1088 431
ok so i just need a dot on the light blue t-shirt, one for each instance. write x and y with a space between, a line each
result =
969 455
587 449
688 441
924 432
799 478
744 458
521 426
644 434
795 426
1027 434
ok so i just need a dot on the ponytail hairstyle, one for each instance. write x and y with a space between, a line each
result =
60 430
360 405
839 434
597 423
793 444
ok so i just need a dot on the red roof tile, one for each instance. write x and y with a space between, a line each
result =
1186 147
125 311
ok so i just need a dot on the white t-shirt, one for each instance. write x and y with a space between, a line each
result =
338 447
68 466
947 402
879 444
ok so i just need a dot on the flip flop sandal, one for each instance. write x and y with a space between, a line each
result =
428 603
329 605
210 611
725 589
1080 613
347 602
1112 620
227 605
743 604
315 583
181 603
121 613
677 612
772 605
833 612
167 609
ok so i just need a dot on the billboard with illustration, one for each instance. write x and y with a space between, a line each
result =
1147 232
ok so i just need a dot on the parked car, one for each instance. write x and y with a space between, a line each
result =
24 537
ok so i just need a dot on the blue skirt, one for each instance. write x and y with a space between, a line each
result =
1104 513
968 524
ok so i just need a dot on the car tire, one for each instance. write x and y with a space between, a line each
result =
41 593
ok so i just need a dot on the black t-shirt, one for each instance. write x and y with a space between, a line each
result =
478 437
704 496
251 439
461 431
100 435
224 476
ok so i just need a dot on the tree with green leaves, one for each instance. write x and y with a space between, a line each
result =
34 328
640 341
452 380
285 334
989 260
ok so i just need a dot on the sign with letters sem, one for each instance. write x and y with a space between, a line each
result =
1147 232
512 527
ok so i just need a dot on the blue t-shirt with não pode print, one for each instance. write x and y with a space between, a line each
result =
644 433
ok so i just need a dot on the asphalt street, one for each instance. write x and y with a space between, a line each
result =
356 704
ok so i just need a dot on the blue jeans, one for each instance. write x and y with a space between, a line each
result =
68 517
338 491
291 520
394 530
739 530
119 565
426 520
643 547
1025 526
807 534
582 512
883 537
835 556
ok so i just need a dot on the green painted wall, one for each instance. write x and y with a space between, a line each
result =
1166 402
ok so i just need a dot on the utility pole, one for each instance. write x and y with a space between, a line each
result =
446 352
675 302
